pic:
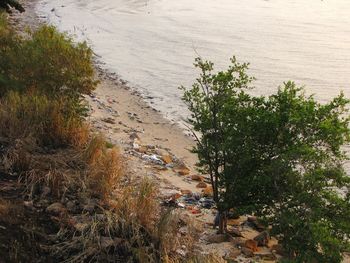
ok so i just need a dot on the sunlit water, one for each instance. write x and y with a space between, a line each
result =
152 44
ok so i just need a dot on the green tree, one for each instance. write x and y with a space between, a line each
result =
208 100
279 157
7 4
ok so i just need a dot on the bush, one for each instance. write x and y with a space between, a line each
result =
45 61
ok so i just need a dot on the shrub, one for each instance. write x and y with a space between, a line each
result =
106 167
45 61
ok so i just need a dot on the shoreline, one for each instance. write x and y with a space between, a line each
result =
120 113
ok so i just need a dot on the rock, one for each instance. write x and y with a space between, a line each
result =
134 136
196 177
56 208
218 238
142 149
234 232
186 192
251 244
263 238
166 159
233 254
201 185
183 171
176 196
247 252
109 120
252 219
208 191
254 222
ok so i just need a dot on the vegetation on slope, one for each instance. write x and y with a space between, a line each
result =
65 195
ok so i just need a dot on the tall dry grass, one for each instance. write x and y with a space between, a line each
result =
44 119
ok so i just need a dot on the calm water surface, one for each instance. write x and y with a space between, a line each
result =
152 44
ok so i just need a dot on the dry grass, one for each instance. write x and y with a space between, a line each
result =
106 167
45 120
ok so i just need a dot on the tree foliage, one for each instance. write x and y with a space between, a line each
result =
7 4
279 157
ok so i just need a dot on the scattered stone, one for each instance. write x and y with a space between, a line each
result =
252 219
233 254
109 120
234 232
196 177
142 149
186 192
134 136
56 208
263 238
208 191
254 222
176 196
247 252
251 244
183 171
218 238
201 185
152 158
166 159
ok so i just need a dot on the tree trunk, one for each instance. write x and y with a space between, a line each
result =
222 222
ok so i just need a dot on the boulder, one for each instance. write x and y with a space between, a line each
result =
263 238
183 171
251 244
201 185
234 232
196 177
218 238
